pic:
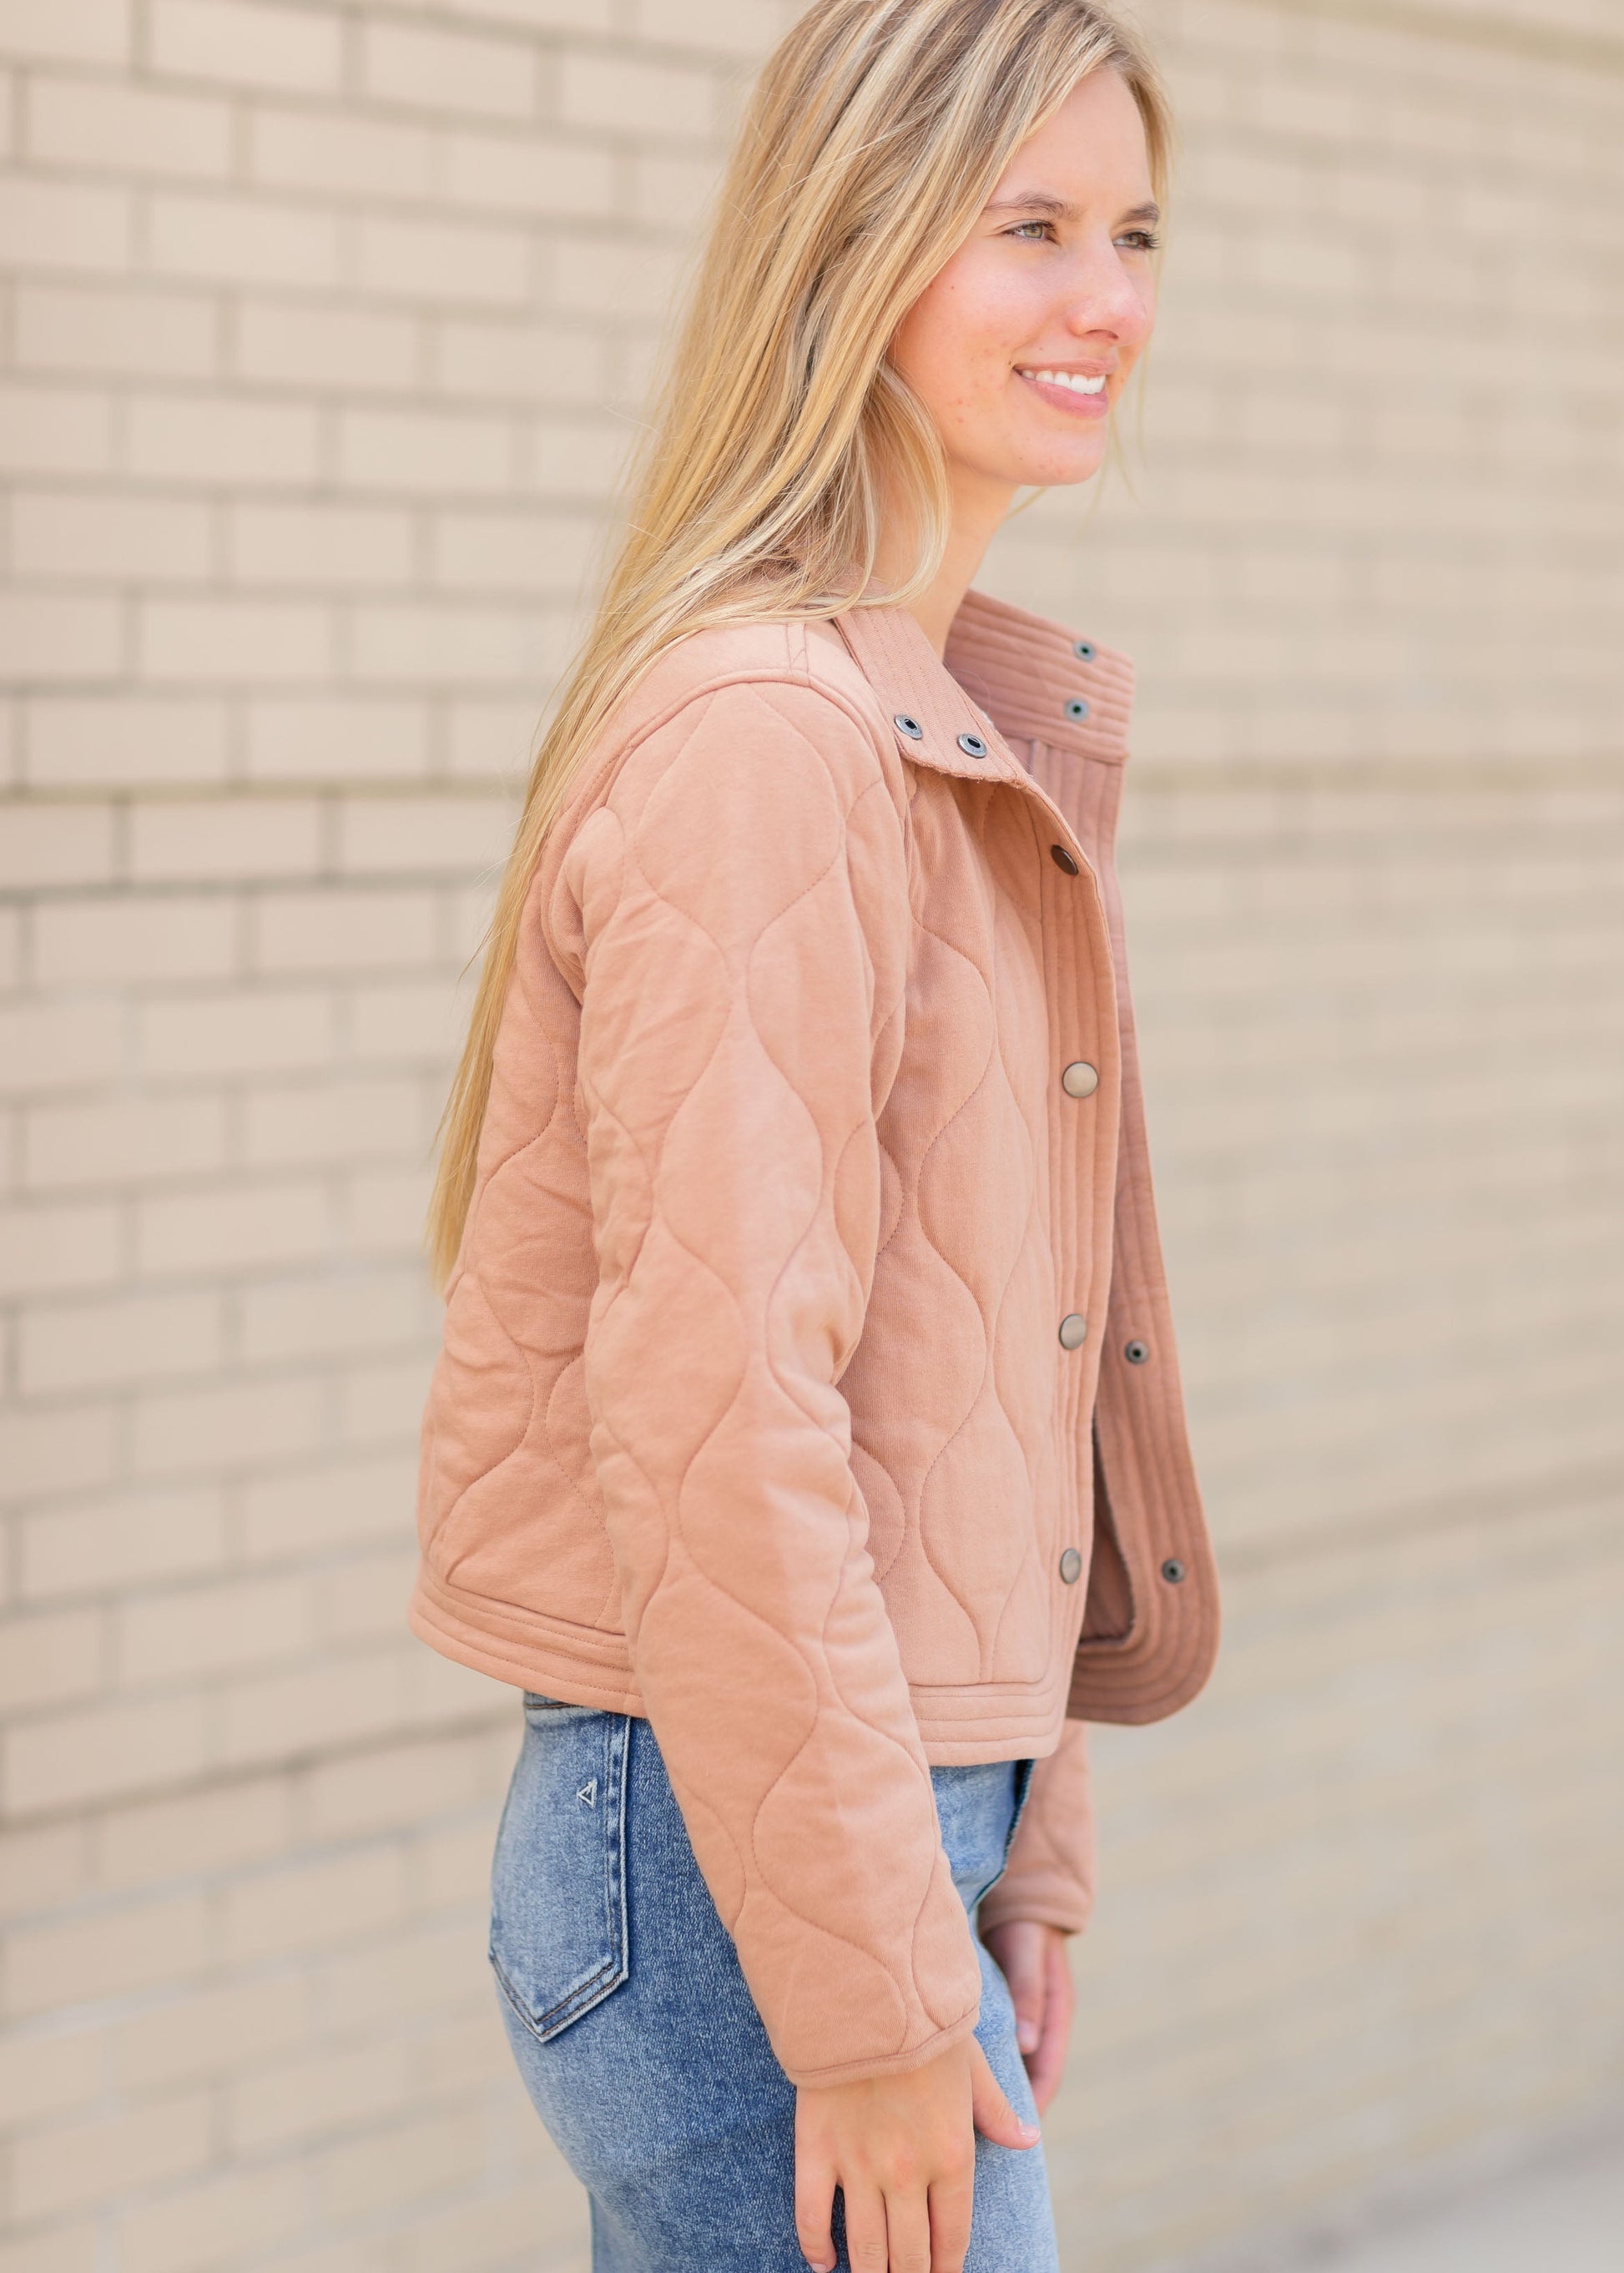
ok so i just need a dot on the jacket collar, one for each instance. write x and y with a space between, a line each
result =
1005 668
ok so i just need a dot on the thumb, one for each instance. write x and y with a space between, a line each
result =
994 2118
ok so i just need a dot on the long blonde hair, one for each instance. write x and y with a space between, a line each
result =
875 135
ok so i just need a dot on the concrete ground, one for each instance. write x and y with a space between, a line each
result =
1560 2217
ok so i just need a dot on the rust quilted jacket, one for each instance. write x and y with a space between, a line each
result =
808 1382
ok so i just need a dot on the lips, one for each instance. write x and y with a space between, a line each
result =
1080 382
1079 393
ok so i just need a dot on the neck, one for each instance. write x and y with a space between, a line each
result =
977 511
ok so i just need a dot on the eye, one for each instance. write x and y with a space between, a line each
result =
1142 240
1045 229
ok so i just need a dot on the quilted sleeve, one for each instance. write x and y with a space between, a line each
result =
744 913
1049 1875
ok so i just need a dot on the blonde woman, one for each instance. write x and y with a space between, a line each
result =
806 1443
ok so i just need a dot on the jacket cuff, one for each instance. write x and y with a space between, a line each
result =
893 2064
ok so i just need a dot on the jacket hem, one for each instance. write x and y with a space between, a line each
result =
958 1728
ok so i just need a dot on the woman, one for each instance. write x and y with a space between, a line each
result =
807 1441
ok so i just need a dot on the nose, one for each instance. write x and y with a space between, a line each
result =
1106 295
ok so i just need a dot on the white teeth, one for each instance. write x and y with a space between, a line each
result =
1073 379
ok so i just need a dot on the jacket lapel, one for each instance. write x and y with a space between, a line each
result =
1008 676
1030 678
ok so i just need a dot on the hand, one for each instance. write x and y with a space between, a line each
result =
902 2149
1032 1960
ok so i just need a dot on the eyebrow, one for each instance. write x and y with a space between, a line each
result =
1043 202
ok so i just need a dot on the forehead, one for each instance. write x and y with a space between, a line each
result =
1091 146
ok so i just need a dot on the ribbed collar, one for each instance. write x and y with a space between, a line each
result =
1004 668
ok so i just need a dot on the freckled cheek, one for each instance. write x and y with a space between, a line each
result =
962 376
1010 317
960 341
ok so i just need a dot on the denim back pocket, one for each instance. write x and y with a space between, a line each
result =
558 1879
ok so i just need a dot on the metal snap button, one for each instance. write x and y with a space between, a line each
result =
1071 1566
1062 858
911 727
1085 651
1081 1079
1073 1326
1137 1352
973 745
1077 708
1173 1571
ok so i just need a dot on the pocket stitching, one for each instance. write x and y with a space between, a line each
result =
584 1995
579 1999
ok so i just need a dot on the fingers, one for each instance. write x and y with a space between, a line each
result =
952 2202
1020 1948
1028 1983
814 2203
1047 2065
907 2232
994 2118
865 2229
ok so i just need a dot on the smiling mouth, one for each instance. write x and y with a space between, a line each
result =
1073 379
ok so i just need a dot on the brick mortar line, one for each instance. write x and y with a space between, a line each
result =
1429 1518
1153 777
317 789
1385 777
470 1721
1501 34
614 43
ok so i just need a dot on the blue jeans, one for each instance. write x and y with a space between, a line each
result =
635 2030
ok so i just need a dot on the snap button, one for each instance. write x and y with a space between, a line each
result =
1077 708
1085 651
973 745
1081 1079
911 727
1073 1326
1062 858
1137 1352
1071 1566
1172 1570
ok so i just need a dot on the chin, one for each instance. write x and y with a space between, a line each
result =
1052 473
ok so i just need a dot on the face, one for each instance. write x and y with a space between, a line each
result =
1022 345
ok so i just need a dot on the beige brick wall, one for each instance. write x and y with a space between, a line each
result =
324 329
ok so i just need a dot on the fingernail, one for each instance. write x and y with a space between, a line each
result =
1028 2036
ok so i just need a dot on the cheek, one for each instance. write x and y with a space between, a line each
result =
959 340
